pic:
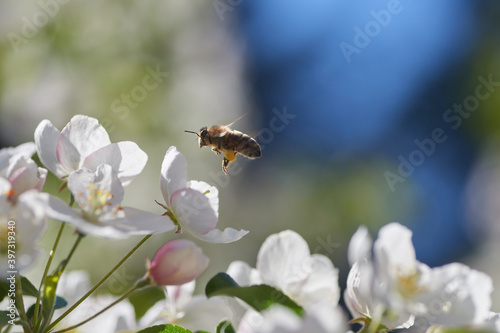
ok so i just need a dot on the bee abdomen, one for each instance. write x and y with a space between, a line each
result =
248 147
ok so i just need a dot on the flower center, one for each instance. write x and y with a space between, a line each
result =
408 284
98 203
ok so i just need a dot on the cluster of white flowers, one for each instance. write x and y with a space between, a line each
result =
387 288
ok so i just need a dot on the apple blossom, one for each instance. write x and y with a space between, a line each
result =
23 175
99 195
394 288
194 205
322 318
84 143
26 221
177 262
285 262
72 286
26 150
196 313
20 216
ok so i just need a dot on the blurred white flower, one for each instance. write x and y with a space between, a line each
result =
26 223
22 220
23 174
84 143
72 287
321 318
181 308
393 287
285 262
456 295
26 150
193 205
99 195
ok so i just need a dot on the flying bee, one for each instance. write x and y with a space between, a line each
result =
223 139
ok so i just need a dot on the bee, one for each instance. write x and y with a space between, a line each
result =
223 139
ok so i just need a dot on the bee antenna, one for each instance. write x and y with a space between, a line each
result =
192 132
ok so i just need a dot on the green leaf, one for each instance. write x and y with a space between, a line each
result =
259 297
144 299
153 329
225 327
4 318
175 329
28 288
4 289
165 329
60 303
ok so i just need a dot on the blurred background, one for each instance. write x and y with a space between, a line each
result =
367 113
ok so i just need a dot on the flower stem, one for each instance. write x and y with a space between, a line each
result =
20 306
84 297
70 254
141 284
44 277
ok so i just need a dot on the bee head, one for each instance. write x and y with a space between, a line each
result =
203 136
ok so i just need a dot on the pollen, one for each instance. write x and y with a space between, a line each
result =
408 285
98 202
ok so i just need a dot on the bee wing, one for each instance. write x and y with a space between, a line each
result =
222 134
230 124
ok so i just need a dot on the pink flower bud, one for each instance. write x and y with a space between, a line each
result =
177 262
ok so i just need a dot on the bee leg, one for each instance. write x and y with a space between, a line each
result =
216 151
229 157
225 163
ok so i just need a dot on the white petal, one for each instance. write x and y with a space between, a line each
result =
72 286
276 319
139 222
67 153
243 274
86 135
325 318
60 211
23 174
394 249
126 159
318 285
193 211
357 295
42 174
210 192
179 296
5 204
173 173
204 314
30 225
229 235
458 295
280 258
25 149
46 142
103 178
360 245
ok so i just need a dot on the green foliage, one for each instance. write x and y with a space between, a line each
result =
145 298
260 297
164 329
28 288
225 327
4 318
